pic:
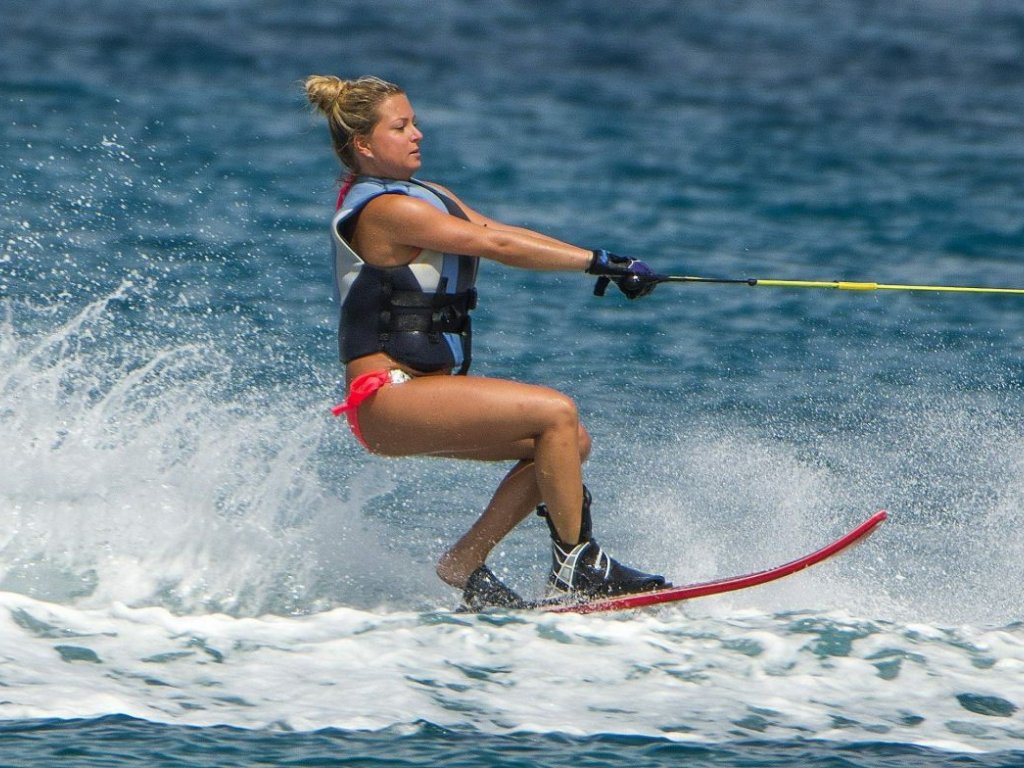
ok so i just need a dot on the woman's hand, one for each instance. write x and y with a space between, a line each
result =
633 277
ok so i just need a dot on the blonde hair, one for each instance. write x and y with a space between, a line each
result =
351 108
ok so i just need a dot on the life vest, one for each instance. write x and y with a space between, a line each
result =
417 313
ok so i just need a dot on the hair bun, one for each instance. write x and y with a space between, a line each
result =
325 91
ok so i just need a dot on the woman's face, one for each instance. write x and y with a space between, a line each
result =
392 149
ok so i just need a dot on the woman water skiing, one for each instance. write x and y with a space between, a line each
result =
406 255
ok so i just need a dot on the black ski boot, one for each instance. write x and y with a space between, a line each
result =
485 590
583 571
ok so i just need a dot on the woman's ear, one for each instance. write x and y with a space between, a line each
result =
361 144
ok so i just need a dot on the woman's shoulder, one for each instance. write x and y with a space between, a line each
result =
398 198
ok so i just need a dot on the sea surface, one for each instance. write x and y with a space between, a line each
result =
200 567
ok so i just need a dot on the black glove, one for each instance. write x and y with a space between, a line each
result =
634 278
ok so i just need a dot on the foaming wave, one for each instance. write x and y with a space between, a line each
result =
948 468
151 472
666 674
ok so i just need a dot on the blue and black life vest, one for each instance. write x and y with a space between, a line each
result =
417 313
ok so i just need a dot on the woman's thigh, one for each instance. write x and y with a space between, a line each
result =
465 417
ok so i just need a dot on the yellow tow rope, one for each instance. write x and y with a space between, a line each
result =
839 285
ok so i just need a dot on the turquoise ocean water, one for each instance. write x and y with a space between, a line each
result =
200 567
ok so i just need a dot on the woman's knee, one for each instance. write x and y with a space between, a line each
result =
561 412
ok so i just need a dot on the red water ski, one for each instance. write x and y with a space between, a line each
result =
673 594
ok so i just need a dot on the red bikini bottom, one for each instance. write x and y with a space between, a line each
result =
361 388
